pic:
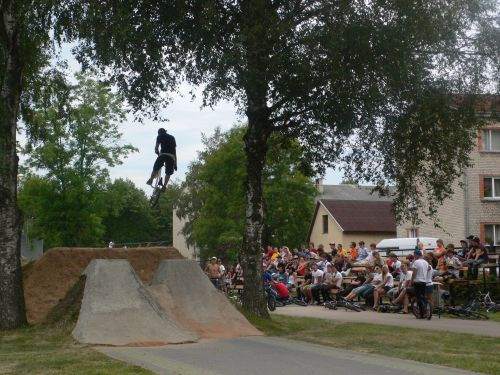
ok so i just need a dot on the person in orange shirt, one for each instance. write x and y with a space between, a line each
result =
353 252
440 250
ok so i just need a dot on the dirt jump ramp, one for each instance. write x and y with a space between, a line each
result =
117 309
187 296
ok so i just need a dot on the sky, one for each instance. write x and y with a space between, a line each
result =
187 121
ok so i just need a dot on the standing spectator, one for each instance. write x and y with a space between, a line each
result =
418 280
222 270
212 270
363 252
111 244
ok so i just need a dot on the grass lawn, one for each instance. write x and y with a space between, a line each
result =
43 350
469 352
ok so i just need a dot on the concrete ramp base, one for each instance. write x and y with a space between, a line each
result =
118 310
187 296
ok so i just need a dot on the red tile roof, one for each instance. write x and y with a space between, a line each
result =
361 216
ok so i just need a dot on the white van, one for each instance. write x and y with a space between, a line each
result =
405 246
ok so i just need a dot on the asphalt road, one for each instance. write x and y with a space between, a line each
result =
266 356
477 327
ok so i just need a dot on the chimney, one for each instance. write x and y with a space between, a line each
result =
319 185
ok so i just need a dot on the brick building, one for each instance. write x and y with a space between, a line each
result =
475 207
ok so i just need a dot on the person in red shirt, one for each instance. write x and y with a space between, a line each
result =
282 290
312 249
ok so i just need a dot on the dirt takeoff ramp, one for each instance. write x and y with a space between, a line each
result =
188 297
118 310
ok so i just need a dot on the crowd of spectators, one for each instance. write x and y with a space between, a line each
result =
318 275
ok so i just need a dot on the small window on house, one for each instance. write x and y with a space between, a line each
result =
491 187
491 140
492 234
325 223
412 233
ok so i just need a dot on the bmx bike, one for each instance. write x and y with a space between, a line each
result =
158 188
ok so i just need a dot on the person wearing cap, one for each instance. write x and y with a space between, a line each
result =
212 270
419 280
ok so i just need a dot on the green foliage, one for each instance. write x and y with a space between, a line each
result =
213 196
74 139
367 86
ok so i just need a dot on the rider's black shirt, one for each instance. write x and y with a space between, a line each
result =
167 143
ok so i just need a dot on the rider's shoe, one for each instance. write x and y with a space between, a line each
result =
149 182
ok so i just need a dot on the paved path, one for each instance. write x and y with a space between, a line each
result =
486 328
266 355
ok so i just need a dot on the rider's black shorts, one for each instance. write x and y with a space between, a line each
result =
167 161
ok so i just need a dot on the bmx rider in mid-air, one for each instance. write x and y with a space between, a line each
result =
166 156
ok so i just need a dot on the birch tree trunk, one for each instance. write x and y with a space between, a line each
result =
12 306
251 258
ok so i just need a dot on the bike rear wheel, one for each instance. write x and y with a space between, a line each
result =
271 303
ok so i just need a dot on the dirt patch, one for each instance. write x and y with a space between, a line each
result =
48 280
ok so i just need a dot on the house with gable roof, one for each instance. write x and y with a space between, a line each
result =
346 213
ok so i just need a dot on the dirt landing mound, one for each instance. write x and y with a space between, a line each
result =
188 297
49 279
118 310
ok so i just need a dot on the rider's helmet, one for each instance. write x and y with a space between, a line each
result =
162 131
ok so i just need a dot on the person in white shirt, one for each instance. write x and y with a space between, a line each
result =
334 281
317 275
420 270
386 285
429 285
368 286
400 293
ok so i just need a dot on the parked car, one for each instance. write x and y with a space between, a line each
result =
404 246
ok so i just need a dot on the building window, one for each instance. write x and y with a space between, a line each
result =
492 234
325 223
491 140
412 232
491 187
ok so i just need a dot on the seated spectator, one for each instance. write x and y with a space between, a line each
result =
477 256
382 289
440 250
345 265
358 281
282 275
303 291
317 275
363 252
399 295
302 266
292 280
323 262
341 250
281 289
353 252
452 262
377 259
366 290
394 265
463 251
332 281
333 249
312 249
